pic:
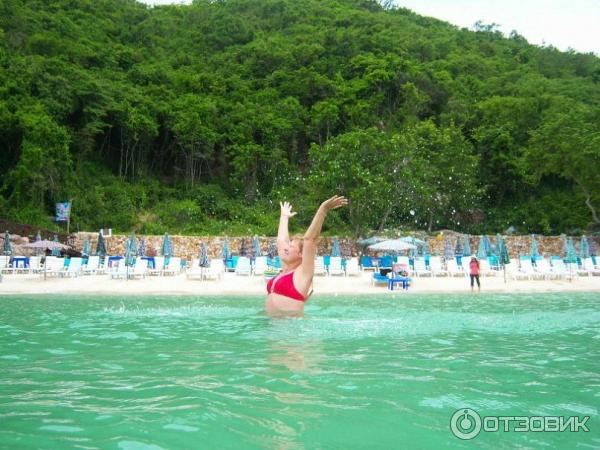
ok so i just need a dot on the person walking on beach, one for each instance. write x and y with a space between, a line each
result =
288 291
474 272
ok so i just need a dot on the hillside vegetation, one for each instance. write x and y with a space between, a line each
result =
201 118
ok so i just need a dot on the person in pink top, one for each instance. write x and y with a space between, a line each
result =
474 272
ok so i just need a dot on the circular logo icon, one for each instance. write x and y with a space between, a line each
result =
465 423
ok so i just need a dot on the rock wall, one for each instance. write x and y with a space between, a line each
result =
188 247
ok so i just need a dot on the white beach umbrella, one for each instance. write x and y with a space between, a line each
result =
392 245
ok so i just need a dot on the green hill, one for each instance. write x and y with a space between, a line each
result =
200 118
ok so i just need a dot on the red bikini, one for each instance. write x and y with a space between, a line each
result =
284 285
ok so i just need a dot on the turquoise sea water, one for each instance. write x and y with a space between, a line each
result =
357 372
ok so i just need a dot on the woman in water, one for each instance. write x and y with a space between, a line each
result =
289 290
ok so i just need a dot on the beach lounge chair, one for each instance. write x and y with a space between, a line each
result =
352 267
194 271
53 266
260 265
74 268
335 266
118 270
35 264
139 269
513 271
173 267
92 265
420 268
367 263
436 267
243 266
4 260
320 268
587 267
543 268
454 269
216 270
378 279
527 268
485 269
159 265
562 270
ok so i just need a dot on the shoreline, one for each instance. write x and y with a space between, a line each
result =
235 285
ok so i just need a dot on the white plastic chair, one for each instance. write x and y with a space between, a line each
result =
216 269
260 265
174 266
335 266
436 267
74 269
243 266
159 263
352 267
140 269
420 268
320 268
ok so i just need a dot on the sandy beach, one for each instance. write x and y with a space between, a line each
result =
233 284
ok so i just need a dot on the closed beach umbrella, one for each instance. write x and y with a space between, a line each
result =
571 255
141 251
487 245
467 247
425 249
534 248
243 251
131 249
335 247
166 249
226 254
592 247
370 241
584 248
458 250
482 251
55 250
256 247
86 247
502 251
100 246
128 253
203 262
6 247
272 251
448 253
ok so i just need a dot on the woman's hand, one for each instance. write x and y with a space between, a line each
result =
286 210
335 202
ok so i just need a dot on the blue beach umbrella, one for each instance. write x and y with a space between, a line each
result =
571 254
141 251
487 245
166 249
131 249
100 246
225 254
272 251
87 248
458 250
584 248
370 241
335 247
55 250
256 247
482 251
467 247
534 248
448 253
424 249
7 248
203 262
128 253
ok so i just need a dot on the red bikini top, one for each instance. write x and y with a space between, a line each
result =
284 285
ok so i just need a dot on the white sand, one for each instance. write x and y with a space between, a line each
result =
243 285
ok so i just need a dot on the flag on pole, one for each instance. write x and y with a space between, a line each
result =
63 212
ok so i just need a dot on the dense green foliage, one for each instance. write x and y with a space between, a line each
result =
201 118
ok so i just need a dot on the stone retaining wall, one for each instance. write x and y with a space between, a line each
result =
188 247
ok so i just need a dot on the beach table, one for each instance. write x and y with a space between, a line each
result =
405 281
